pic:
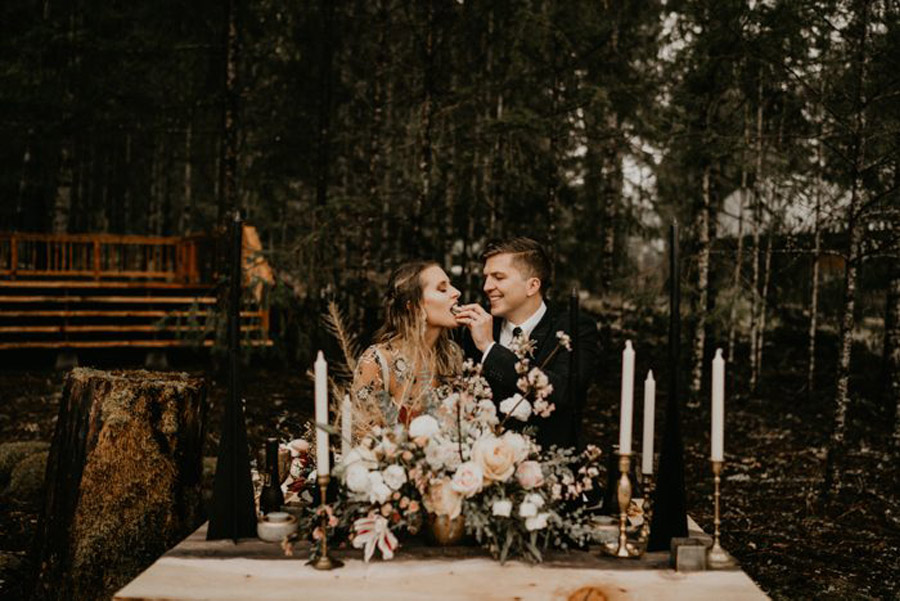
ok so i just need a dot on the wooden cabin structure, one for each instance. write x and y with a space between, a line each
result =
76 291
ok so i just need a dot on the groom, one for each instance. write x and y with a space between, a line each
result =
516 279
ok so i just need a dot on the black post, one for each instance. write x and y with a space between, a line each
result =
669 503
233 514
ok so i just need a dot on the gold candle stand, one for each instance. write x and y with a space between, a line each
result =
324 561
623 548
647 482
717 557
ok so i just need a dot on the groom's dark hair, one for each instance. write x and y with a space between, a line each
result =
528 256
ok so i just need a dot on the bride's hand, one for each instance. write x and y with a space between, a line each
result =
480 324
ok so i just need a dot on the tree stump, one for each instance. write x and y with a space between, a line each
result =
123 479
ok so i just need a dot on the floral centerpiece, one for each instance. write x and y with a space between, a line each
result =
459 461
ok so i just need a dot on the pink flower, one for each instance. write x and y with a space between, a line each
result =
529 474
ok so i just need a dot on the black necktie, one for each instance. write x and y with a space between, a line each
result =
517 331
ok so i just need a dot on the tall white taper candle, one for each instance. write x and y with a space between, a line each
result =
626 416
322 466
718 408
346 425
649 419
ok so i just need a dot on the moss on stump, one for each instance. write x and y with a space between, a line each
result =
123 479
11 453
26 484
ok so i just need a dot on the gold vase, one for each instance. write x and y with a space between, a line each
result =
443 531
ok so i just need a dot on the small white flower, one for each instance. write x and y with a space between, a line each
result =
378 490
394 476
502 508
534 499
527 510
424 425
357 478
536 522
564 339
517 406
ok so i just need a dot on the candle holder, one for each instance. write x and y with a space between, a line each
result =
324 561
623 548
717 557
647 506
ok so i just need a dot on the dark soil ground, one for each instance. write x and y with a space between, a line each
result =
791 544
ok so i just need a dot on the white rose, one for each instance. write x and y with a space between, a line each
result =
520 445
527 510
425 426
517 407
537 522
378 490
357 478
502 508
359 454
467 479
534 499
394 476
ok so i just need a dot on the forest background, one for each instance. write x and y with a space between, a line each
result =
354 135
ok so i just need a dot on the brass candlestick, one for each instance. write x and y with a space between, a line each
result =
324 561
647 506
717 557
622 548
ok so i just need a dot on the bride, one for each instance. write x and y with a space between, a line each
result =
413 355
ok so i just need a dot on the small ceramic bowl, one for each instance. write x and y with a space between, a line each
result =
274 526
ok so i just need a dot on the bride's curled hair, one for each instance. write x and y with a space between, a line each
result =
405 323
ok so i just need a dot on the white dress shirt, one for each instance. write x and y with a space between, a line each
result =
506 330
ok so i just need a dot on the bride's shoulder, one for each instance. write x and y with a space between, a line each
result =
376 353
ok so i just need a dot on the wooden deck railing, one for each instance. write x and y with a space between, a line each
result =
99 257
106 291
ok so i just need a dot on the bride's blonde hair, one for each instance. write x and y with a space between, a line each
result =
405 322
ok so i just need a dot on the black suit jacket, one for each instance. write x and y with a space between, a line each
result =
563 427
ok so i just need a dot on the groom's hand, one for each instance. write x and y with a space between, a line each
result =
480 324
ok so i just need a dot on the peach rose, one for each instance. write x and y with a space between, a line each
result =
495 457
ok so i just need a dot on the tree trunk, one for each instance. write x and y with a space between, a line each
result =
62 203
123 479
612 192
426 118
814 297
739 258
186 218
24 187
763 306
757 217
229 156
701 231
836 444
892 353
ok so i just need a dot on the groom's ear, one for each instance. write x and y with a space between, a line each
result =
532 286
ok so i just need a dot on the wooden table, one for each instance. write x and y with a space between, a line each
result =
253 570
